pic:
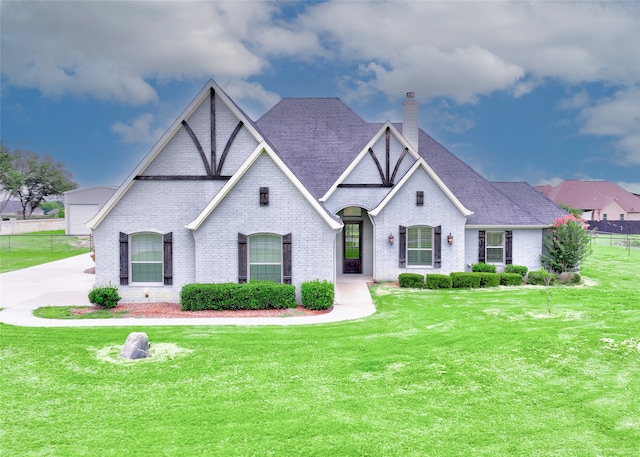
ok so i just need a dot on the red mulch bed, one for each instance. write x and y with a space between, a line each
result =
172 310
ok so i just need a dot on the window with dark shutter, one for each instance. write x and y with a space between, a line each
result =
264 196
124 259
508 247
286 259
482 236
402 247
437 247
242 258
420 198
167 241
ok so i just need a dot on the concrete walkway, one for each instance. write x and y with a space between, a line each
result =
64 283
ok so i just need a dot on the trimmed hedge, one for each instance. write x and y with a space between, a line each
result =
537 277
317 294
231 296
519 269
105 296
465 280
489 279
483 268
510 279
411 280
437 281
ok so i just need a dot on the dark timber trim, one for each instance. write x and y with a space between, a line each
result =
353 186
228 146
395 170
377 162
207 167
388 153
181 178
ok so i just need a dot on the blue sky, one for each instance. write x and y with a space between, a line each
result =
522 91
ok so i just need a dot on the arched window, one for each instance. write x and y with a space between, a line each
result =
146 258
265 257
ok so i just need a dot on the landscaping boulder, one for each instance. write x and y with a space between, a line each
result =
136 346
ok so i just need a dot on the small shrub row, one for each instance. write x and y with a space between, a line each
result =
539 277
232 296
519 269
483 268
459 280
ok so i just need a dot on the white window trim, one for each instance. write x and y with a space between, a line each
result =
131 262
503 246
250 263
427 265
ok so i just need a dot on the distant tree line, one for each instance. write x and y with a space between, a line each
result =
30 178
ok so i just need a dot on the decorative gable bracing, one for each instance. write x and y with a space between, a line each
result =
209 141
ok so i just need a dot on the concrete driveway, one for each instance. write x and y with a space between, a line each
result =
65 283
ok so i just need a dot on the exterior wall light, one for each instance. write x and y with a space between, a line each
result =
391 239
450 239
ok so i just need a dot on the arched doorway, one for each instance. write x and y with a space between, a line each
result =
355 244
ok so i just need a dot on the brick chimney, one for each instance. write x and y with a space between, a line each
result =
410 117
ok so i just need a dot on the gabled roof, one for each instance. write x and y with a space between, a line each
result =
317 137
591 195
363 153
166 137
528 198
263 148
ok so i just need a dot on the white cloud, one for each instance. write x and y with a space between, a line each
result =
617 117
442 116
577 101
139 130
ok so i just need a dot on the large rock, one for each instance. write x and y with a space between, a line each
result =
136 346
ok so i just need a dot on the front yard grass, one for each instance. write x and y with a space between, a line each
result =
485 372
27 250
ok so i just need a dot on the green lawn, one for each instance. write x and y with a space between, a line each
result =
432 373
27 250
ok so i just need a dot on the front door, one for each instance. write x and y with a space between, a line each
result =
352 247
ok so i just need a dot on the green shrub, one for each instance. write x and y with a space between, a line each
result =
510 279
489 279
519 269
317 294
465 280
570 277
537 278
483 268
411 280
437 281
105 296
231 296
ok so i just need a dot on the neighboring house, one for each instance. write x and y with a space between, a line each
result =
309 191
81 205
598 200
13 209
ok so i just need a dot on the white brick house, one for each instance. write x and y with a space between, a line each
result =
309 191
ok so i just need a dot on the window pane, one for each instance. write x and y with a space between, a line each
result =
494 238
146 247
265 249
146 272
265 273
494 255
419 257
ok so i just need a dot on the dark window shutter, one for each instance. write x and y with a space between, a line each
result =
168 258
286 259
242 258
402 247
124 259
482 235
264 196
508 247
437 246
420 198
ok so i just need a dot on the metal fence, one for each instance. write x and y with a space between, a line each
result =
41 242
628 242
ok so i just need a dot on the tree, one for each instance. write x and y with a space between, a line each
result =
32 179
5 166
566 244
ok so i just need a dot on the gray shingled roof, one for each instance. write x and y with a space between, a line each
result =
319 137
